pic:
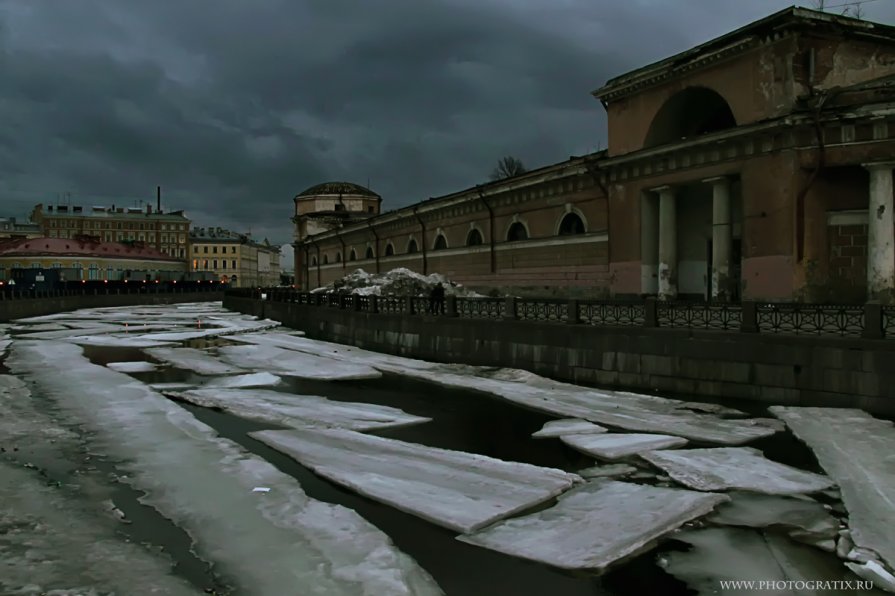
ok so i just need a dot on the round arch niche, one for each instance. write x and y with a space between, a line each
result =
689 113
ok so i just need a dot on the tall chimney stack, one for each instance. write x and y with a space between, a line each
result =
158 199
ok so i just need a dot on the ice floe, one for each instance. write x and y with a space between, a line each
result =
53 544
757 510
856 450
197 361
629 411
261 379
619 445
457 490
742 468
299 411
295 364
132 367
567 426
596 525
732 554
283 543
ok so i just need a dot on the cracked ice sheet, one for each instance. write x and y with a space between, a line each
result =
568 426
721 554
618 445
295 364
198 361
759 511
460 491
299 411
52 542
216 326
132 367
629 411
282 542
596 525
856 450
742 468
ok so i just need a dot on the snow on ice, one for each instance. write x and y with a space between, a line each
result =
629 411
567 426
609 471
856 450
295 364
262 379
618 445
197 361
460 491
132 367
299 411
742 468
284 543
596 525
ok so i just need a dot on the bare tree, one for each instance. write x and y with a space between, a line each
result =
818 4
856 11
507 167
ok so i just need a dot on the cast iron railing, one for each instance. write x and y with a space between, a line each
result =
870 321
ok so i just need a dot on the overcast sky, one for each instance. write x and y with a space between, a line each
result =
234 106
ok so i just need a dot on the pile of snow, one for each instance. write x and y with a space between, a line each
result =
397 282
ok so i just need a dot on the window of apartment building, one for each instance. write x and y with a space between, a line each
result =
233 263
93 271
53 234
35 265
215 263
233 250
205 264
214 249
205 250
182 253
109 272
141 227
56 266
181 238
224 264
143 237
164 226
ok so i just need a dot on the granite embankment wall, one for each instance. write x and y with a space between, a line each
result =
20 308
775 369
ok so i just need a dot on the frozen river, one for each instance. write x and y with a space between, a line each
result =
187 450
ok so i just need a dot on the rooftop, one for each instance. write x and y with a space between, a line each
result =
86 246
338 188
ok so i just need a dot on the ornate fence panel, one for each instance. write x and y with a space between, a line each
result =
542 310
612 313
481 308
363 302
393 305
889 322
420 305
815 319
722 317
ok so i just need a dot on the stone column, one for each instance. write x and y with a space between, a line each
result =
667 243
722 238
649 243
880 234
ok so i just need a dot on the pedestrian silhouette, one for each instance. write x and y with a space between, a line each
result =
436 300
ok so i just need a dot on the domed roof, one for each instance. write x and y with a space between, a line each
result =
338 188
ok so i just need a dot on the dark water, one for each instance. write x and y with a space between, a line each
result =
462 420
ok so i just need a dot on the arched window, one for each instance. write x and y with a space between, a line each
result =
689 113
93 271
352 256
412 247
474 238
517 232
326 259
369 254
570 225
389 250
440 243
338 257
314 261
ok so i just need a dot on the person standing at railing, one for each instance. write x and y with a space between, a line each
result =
436 300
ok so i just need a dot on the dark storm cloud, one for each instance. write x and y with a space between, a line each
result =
235 106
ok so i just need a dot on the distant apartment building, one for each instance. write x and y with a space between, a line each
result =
11 228
168 233
234 258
